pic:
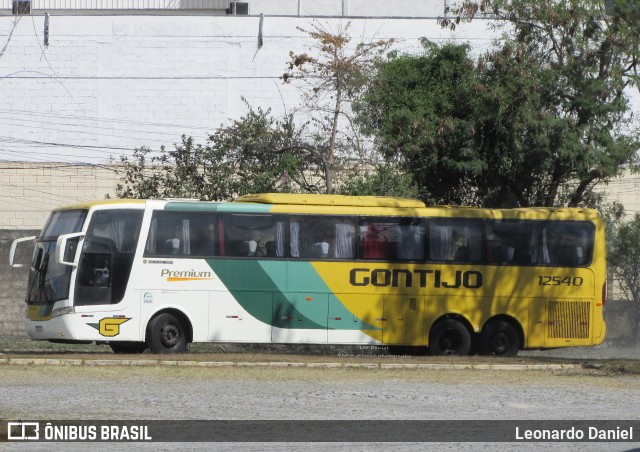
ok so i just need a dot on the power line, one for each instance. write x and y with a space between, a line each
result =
68 145
50 157
99 119
79 123
13 76
79 132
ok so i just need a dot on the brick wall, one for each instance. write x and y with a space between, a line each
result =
31 190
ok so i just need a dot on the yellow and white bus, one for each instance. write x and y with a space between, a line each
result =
322 269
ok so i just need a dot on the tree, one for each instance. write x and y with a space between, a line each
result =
588 50
624 260
418 109
384 180
330 82
541 119
601 33
254 154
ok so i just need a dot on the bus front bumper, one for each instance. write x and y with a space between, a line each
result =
57 328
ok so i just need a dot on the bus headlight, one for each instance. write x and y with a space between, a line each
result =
62 311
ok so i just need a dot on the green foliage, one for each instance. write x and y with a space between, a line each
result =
255 154
624 261
384 180
418 108
539 120
624 256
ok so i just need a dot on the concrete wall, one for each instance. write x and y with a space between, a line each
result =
13 283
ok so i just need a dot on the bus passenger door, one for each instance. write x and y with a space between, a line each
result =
300 317
403 320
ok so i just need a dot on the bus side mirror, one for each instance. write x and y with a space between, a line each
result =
12 250
65 254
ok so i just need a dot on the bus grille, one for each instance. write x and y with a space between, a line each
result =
569 319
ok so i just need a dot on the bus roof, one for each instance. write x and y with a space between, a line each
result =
331 200
101 202
346 205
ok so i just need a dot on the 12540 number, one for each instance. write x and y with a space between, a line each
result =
560 280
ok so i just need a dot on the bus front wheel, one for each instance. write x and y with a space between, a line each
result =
499 338
449 337
166 334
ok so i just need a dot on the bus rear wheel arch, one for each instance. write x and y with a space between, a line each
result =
168 332
449 336
500 337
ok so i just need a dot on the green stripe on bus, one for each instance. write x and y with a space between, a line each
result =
283 294
217 207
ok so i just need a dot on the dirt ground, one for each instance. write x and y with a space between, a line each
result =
174 392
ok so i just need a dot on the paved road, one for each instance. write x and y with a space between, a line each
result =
187 392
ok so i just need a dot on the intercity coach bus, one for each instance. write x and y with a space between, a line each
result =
317 269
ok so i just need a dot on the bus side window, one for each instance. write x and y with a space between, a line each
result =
249 248
522 255
511 242
375 244
182 234
320 250
411 245
496 252
462 254
167 237
201 236
322 237
391 238
271 247
455 240
253 235
567 243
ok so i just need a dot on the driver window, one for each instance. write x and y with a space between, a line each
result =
96 270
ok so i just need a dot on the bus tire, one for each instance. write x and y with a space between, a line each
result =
449 337
499 338
128 347
166 334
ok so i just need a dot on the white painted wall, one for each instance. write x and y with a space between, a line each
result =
108 84
400 8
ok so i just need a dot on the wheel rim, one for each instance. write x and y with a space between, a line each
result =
500 343
449 343
169 335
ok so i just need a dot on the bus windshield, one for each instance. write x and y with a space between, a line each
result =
48 280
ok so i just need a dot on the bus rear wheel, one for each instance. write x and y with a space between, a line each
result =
499 338
449 337
128 347
166 334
